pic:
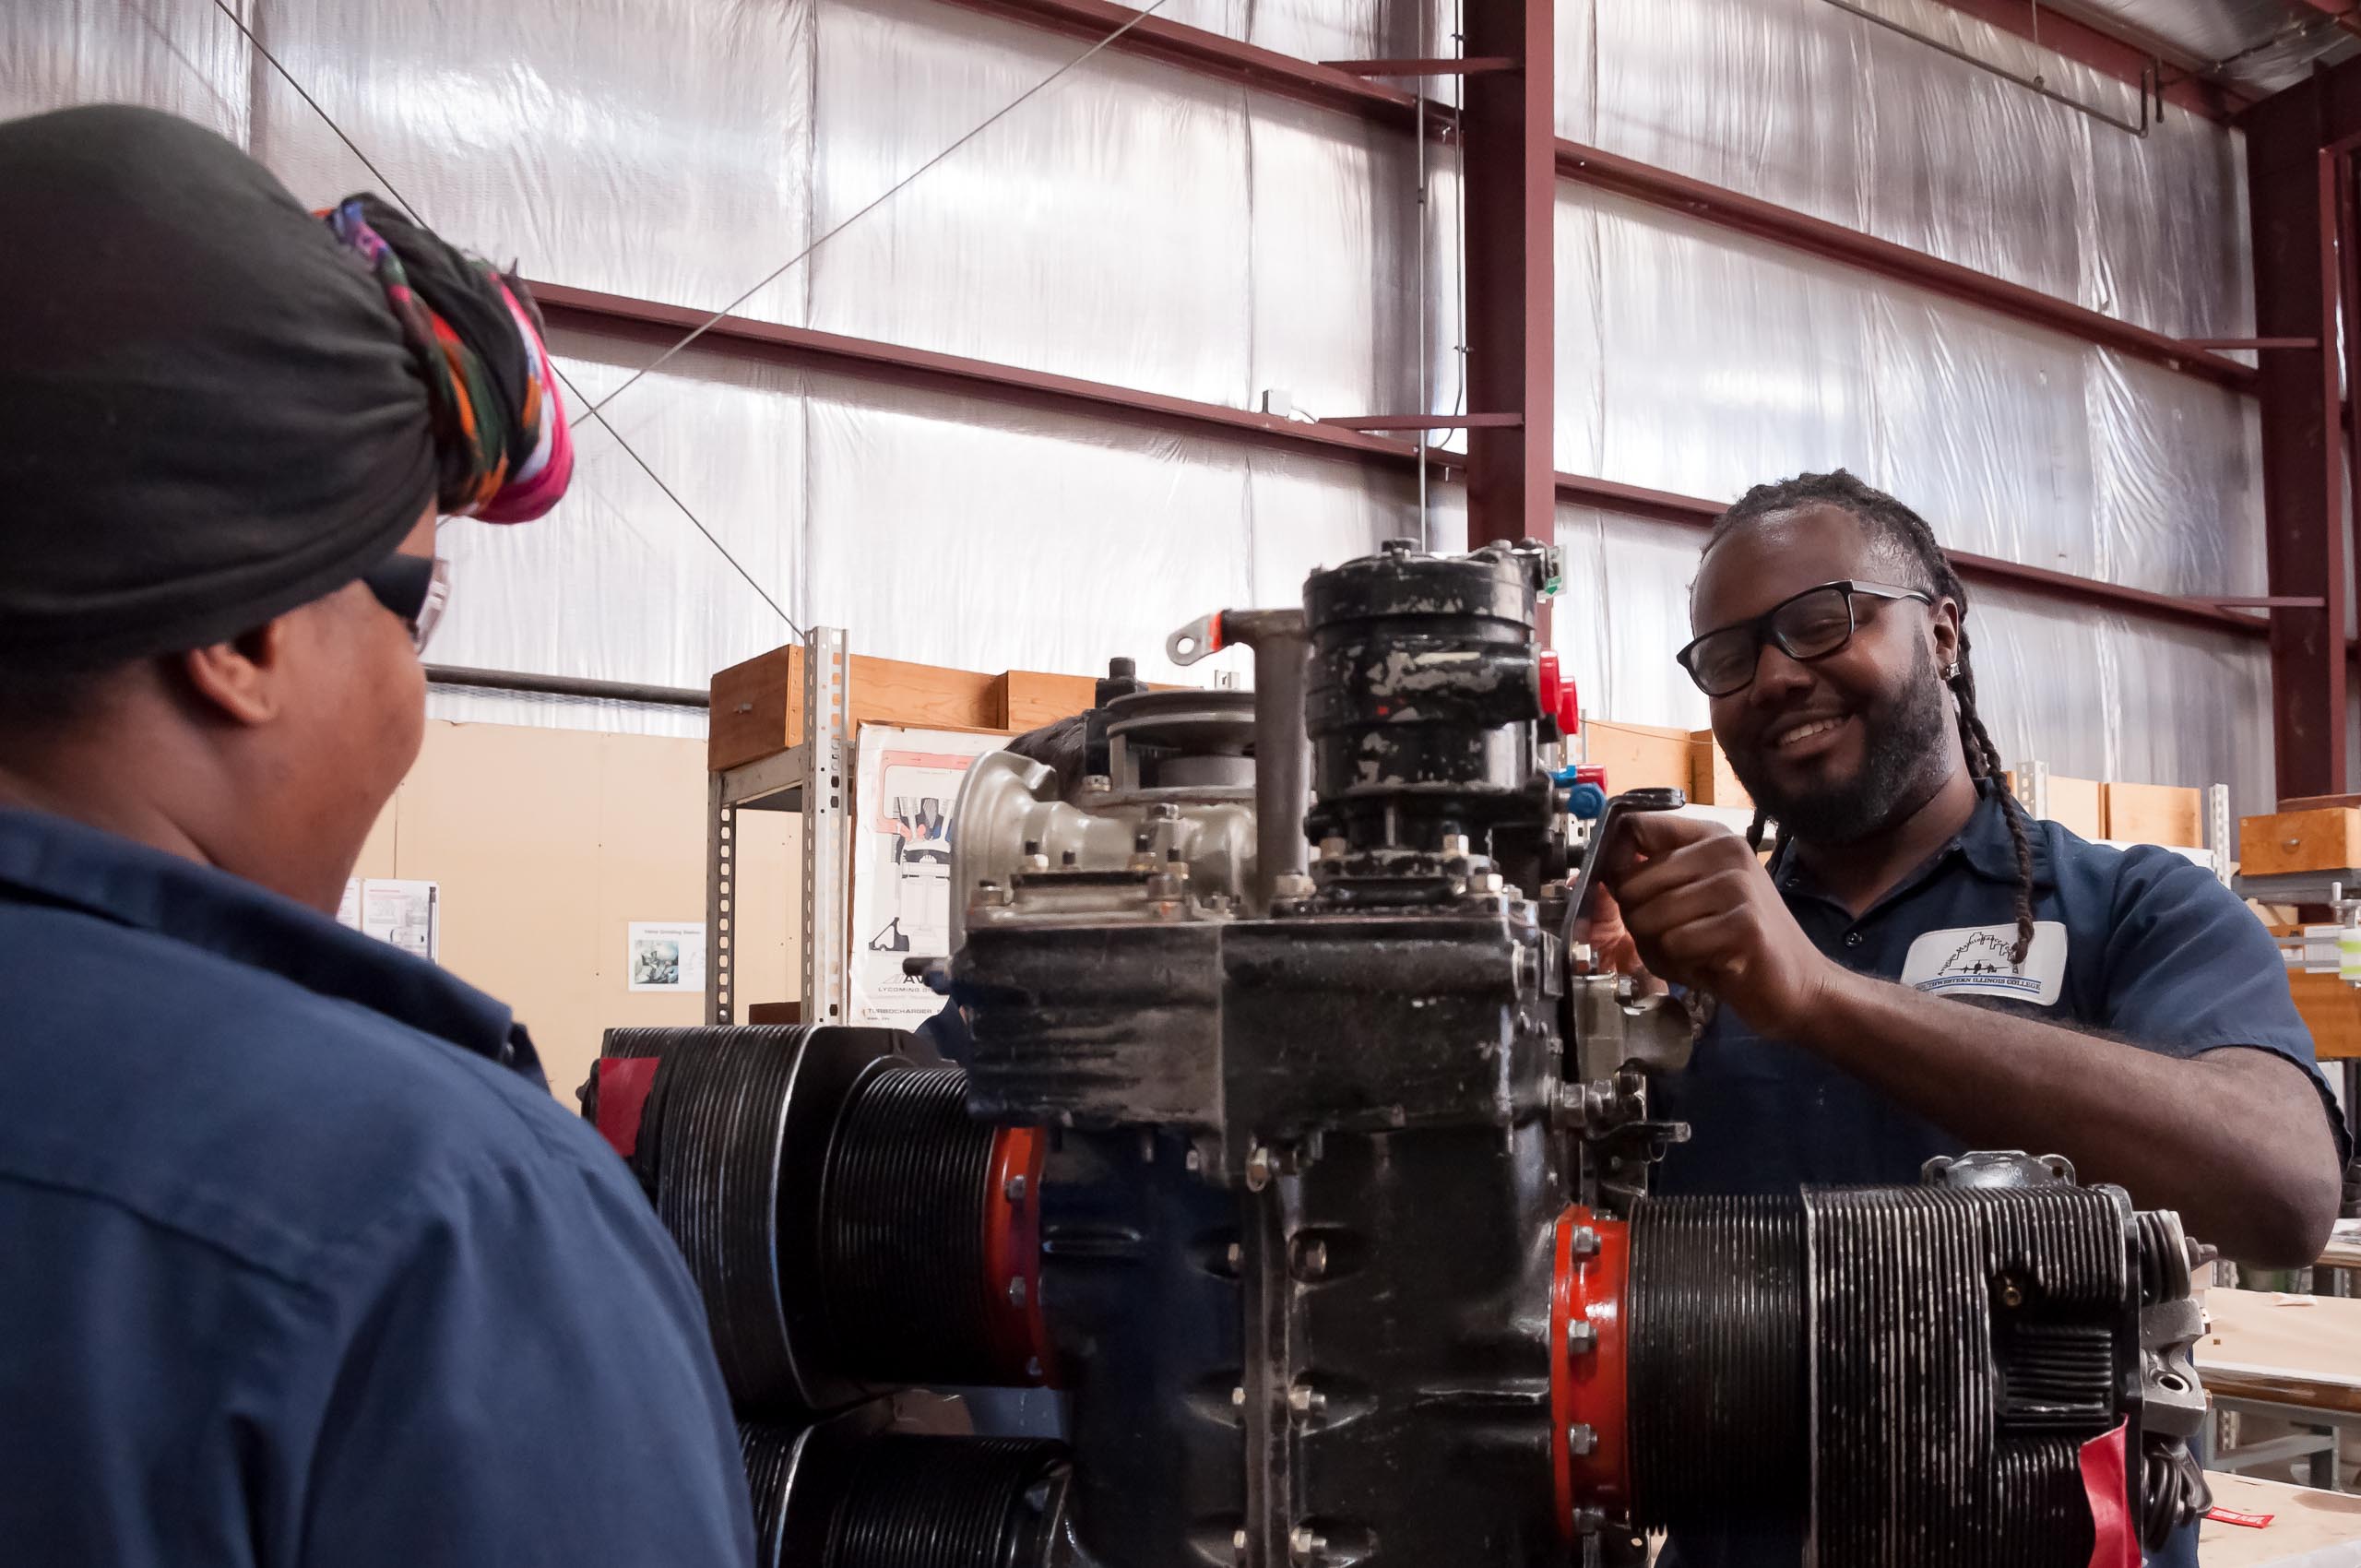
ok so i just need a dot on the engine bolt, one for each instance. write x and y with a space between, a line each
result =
1581 1336
1585 1242
1313 1261
1237 1395
1238 1543
1307 1546
1258 1169
1306 1400
1235 1257
1014 1189
1581 1440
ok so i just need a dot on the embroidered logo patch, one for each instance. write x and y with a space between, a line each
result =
1974 961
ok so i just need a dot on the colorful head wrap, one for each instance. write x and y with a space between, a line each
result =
208 414
500 432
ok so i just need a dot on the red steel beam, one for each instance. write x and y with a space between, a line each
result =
2107 53
2293 185
1263 70
660 326
1751 214
1509 214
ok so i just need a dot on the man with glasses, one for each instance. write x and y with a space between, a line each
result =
300 1260
1920 970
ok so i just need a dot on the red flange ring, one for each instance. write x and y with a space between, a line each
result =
1586 1387
1013 1258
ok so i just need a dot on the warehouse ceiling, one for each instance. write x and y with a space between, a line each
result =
2254 46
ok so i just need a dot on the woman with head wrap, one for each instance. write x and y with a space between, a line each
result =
303 1265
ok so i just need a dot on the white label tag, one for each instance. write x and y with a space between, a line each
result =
1974 961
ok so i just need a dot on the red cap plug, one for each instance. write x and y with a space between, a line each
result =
1559 701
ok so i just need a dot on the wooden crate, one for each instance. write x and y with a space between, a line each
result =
1638 756
1027 699
2331 1010
758 706
1711 781
2325 839
2153 813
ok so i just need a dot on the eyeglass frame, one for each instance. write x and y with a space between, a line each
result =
415 589
1766 632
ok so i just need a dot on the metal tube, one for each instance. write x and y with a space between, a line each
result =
1426 401
1281 751
564 686
2028 83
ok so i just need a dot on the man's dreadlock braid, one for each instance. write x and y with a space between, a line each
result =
1893 523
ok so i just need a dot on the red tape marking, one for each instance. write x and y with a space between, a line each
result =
623 1083
2232 1516
2115 1543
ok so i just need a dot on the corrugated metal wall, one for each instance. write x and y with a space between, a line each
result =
1137 225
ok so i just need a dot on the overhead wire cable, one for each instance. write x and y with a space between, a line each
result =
877 201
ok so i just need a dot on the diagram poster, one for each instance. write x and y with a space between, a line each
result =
405 913
906 784
659 955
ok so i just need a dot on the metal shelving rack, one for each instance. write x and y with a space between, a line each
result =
2215 854
812 776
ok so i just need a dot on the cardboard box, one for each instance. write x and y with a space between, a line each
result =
1711 782
2155 813
2325 839
758 706
1027 699
1638 756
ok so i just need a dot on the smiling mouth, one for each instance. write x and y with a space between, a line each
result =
1789 738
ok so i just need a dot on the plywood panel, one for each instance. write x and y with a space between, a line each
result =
1711 779
2075 805
2155 813
507 821
549 843
1638 756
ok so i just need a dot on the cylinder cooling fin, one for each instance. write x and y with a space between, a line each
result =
1780 1355
846 1495
928 1236
849 1226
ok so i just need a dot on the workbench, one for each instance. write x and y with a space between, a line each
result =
2310 1528
2292 1358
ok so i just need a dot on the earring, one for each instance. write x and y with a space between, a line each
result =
1951 672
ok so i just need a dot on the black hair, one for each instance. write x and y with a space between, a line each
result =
1058 746
1896 527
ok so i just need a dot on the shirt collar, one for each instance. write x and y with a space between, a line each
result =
1983 842
49 859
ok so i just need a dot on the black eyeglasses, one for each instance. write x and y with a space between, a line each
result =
1811 625
415 587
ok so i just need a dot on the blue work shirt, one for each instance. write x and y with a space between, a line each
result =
2140 944
300 1263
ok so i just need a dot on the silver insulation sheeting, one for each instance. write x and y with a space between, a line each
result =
1140 226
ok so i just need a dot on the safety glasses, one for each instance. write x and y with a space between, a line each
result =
415 587
1811 625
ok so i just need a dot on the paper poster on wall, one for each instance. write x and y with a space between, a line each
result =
904 786
348 909
660 956
405 913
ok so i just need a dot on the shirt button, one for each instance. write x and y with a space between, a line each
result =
1851 939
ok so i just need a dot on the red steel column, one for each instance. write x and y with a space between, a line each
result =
1509 211
2293 203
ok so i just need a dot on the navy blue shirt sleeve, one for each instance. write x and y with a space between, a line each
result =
2189 969
523 1377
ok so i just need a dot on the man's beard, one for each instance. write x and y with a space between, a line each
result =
1902 740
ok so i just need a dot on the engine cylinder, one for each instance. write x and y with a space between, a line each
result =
1423 689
